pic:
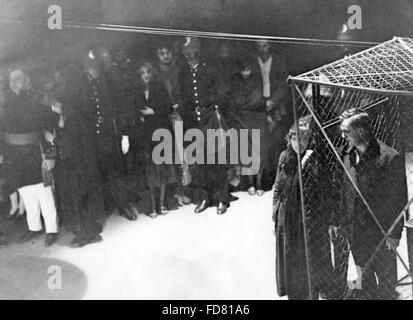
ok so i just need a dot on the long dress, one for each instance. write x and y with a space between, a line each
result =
248 112
141 131
291 258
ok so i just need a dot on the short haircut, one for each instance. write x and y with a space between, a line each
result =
357 119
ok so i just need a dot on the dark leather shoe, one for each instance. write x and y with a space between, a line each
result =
51 238
201 207
28 236
128 214
222 208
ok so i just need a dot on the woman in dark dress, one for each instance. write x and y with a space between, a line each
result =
152 108
249 112
291 258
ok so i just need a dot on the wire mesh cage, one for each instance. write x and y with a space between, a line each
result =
353 208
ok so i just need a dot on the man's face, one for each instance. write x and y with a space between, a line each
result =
106 58
165 56
192 57
18 81
263 47
350 134
92 72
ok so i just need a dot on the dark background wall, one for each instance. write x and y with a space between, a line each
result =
382 19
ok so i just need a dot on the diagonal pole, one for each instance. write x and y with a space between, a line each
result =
303 212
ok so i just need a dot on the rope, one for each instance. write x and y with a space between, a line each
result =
200 34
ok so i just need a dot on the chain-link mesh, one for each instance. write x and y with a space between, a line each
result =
359 247
386 67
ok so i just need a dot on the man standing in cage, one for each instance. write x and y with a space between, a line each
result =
378 171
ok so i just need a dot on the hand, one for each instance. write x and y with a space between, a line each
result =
392 243
57 107
125 144
175 106
147 111
49 136
1 159
333 231
269 104
48 164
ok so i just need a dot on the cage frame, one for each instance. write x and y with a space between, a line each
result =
305 78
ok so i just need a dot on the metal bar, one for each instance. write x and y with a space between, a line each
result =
303 212
368 107
329 84
387 235
345 169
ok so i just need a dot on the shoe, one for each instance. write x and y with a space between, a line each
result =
76 240
163 211
28 236
89 240
51 238
260 193
179 200
222 208
152 215
186 200
128 214
252 191
201 207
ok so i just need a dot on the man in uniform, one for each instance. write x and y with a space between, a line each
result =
199 84
98 107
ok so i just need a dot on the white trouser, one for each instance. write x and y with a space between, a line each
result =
39 201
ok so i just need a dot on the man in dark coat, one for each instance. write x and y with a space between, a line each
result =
97 105
379 172
199 84
273 70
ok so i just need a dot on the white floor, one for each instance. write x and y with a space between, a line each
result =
178 256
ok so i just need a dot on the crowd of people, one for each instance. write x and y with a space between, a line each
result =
77 145
77 137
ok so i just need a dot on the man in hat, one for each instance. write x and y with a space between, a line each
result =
199 83
98 107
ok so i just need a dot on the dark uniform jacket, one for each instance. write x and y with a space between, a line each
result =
199 91
98 104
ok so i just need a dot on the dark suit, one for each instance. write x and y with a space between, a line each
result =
380 176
